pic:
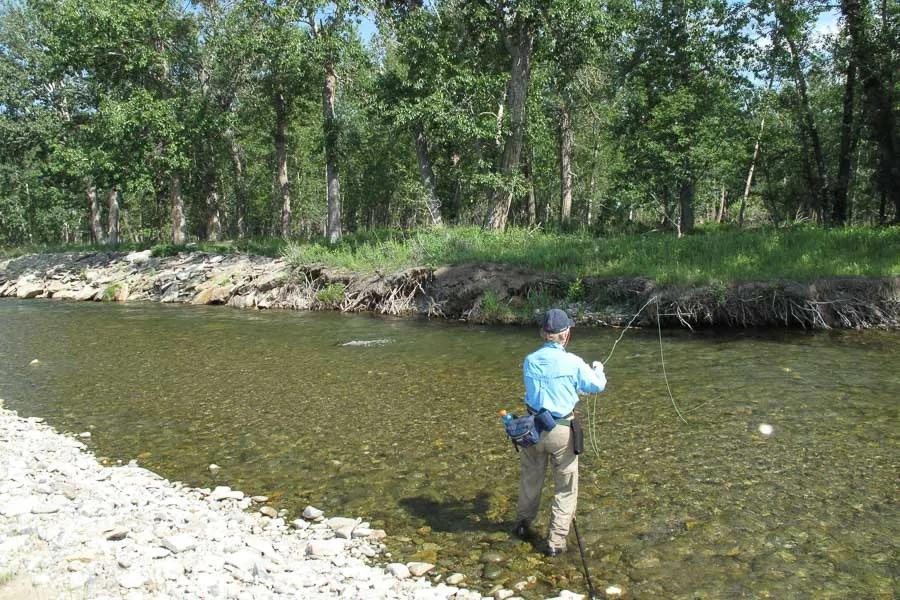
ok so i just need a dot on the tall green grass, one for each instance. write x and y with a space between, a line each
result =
718 255
724 256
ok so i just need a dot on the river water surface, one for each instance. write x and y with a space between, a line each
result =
404 433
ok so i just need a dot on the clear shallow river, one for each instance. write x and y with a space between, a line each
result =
406 435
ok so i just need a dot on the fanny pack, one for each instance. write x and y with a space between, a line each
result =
526 431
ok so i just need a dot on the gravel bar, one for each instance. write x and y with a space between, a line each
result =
73 528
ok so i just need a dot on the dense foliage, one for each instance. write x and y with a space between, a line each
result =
138 121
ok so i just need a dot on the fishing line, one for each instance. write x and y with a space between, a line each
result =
630 323
662 360
592 401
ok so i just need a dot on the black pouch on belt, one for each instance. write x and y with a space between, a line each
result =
577 436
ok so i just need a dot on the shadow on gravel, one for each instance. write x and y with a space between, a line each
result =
455 515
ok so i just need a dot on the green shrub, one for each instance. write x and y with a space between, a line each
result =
493 309
109 294
332 294
576 290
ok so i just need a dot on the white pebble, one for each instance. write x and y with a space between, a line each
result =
398 570
312 513
766 429
417 569
131 580
181 542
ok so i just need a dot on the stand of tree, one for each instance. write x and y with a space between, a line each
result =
165 120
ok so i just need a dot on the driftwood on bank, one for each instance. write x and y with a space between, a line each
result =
470 292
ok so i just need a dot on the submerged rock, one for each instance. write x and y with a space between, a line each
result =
492 557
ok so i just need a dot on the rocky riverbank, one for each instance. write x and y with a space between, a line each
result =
474 292
72 528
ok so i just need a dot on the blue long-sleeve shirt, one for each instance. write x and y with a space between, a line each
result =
554 378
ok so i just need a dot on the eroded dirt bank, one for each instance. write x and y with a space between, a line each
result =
474 292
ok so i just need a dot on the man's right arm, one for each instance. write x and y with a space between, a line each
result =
591 380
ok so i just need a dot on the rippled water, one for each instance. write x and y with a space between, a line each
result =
404 432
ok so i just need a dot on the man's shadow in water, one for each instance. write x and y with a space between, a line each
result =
454 516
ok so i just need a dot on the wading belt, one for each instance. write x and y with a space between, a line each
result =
564 421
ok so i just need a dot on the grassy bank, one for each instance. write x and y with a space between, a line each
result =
715 256
723 256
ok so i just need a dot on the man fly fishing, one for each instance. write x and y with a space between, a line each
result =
553 380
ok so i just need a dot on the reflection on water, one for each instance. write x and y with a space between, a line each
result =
404 433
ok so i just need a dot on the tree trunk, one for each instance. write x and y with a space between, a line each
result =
592 184
840 210
531 206
179 226
213 214
723 205
240 186
686 200
112 201
427 174
566 148
329 92
769 198
281 174
820 174
520 75
877 88
809 202
749 184
96 227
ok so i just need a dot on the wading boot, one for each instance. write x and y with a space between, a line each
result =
553 552
521 531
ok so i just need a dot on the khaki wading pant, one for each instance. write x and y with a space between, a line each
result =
556 446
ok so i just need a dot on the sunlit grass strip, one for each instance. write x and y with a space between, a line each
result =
721 256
